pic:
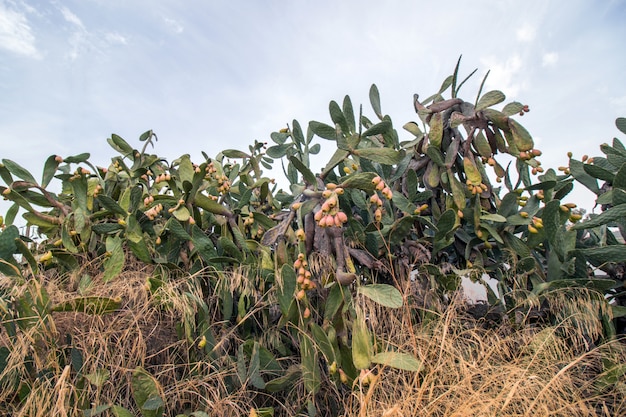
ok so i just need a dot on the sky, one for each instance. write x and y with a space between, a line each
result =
211 75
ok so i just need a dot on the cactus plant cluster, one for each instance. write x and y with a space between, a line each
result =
433 206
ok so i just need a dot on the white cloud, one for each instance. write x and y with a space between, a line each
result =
526 33
550 59
505 76
15 33
72 18
115 38
173 25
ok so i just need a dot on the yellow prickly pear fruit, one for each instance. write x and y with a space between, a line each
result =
342 376
202 342
332 368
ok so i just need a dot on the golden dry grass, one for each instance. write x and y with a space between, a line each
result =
470 368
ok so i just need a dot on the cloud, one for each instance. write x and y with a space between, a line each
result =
173 25
72 18
550 59
83 40
15 34
113 38
526 33
505 76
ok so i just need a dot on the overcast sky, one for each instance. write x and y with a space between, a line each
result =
211 75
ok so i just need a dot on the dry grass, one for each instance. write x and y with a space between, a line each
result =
469 368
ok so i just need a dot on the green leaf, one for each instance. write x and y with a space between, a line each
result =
333 302
600 255
339 156
552 220
337 116
145 393
286 288
278 151
577 170
90 305
375 101
398 360
121 411
18 171
26 253
360 181
447 221
77 159
458 191
182 214
620 123
543 185
436 156
435 135
323 130
482 144
49 168
8 237
186 170
99 377
279 137
111 205
384 294
235 154
310 368
386 156
493 217
613 214
517 245
114 264
119 145
96 411
378 129
106 228
283 382
361 342
413 128
403 204
297 134
619 181
308 176
489 99
315 149
471 171
320 338
513 108
348 113
522 139
599 173
601 285
455 76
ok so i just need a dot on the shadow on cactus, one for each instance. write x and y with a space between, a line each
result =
291 272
